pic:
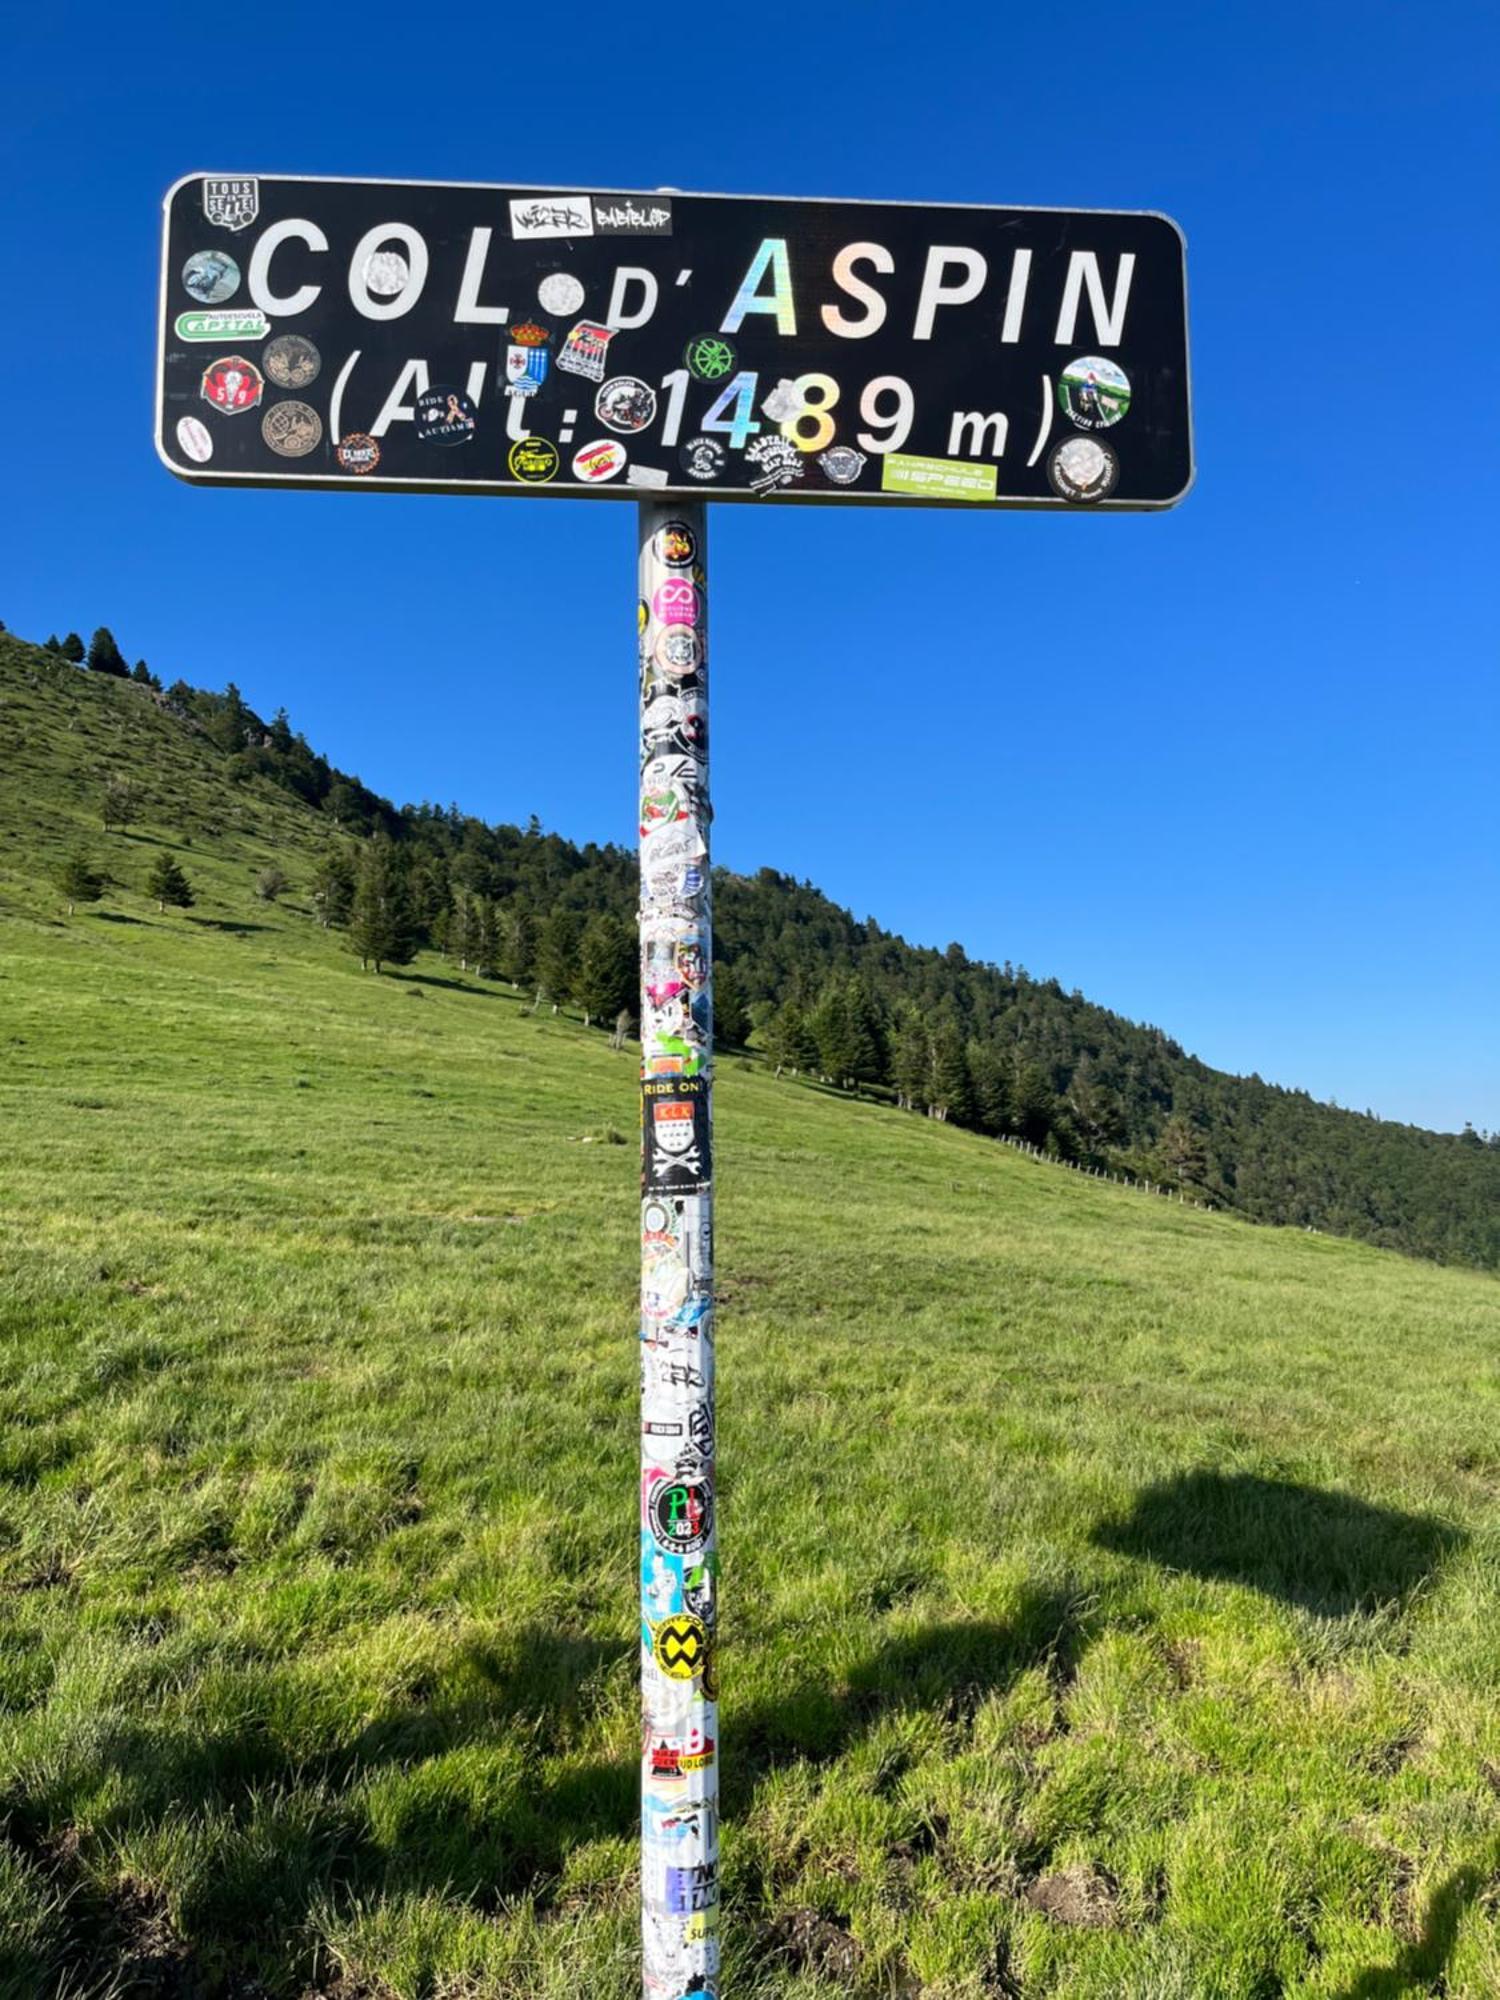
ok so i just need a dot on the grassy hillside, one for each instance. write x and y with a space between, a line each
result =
1111 1590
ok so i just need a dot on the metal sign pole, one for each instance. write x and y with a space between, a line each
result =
679 1542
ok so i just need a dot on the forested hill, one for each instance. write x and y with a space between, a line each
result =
799 981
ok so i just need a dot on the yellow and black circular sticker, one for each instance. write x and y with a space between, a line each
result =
681 1646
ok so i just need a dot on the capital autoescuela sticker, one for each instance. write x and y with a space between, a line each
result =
194 440
625 404
596 462
560 294
704 458
292 362
358 452
675 545
533 460
232 385
1082 469
211 277
293 429
1093 392
445 416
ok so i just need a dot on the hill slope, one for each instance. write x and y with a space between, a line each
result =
1111 1589
984 1046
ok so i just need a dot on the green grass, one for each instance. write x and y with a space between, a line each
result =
1110 1593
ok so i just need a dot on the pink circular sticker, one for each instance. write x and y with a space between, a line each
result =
677 602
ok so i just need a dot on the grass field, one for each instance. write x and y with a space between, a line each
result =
1112 1593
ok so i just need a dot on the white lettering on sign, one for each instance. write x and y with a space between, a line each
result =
1109 319
283 306
873 319
935 292
616 316
468 308
413 377
370 253
748 299
968 430
1015 297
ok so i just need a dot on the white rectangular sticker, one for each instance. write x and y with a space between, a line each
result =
551 215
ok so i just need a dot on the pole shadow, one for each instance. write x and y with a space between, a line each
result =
1328 1553
1424 1962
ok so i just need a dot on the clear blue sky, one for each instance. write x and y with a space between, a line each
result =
1230 769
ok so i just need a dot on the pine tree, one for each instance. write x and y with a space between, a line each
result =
557 956
142 673
333 889
608 969
486 940
731 1022
79 881
462 930
1031 1102
1183 1152
911 1059
517 943
948 1093
380 926
988 1090
72 649
104 656
52 644
168 884
789 1039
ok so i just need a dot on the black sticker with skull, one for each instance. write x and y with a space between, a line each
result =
676 1155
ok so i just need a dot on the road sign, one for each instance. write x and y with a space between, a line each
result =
419 335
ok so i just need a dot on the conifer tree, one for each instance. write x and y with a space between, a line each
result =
72 649
911 1059
333 889
948 1074
462 937
486 941
380 926
731 1022
79 881
789 1039
104 656
142 673
168 884
557 956
52 644
608 969
518 942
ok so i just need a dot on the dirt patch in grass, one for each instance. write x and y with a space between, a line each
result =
1081 1897
812 1941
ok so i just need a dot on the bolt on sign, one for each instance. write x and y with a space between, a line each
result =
671 349
412 335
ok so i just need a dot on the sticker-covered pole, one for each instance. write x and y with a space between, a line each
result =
679 1555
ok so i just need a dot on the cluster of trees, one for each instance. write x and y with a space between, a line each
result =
825 994
101 656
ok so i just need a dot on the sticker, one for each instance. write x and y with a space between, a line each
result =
535 216
937 478
625 404
777 462
675 545
677 602
386 273
231 204
709 357
678 1155
232 385
673 1757
193 440
445 416
1082 469
293 429
598 461
245 324
292 362
682 1515
680 1646
619 215
704 458
678 652
560 293
210 277
842 463
357 452
694 1888
533 460
585 349
526 368
784 403
1093 393
671 1822
645 475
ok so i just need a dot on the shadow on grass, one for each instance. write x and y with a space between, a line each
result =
117 917
226 924
1425 1961
454 985
1326 1552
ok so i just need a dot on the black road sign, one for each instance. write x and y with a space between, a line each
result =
410 335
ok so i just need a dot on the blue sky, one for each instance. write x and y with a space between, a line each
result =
1229 769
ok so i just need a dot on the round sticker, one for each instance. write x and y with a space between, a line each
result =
682 1513
1083 469
559 293
709 357
704 458
1093 393
211 276
675 545
386 273
678 652
446 416
357 452
677 602
193 440
843 464
534 460
293 429
680 1646
598 461
625 404
292 362
232 385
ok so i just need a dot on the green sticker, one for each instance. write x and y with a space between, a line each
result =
248 325
937 478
